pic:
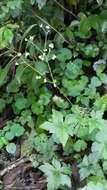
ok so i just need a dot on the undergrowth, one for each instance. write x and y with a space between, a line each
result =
53 80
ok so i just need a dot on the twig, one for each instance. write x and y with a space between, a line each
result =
67 10
13 165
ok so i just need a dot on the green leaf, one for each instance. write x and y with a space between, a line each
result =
74 69
9 135
64 54
37 108
95 82
91 50
103 78
84 25
89 167
60 127
99 66
56 175
17 129
40 3
74 87
6 36
19 72
11 148
100 144
20 103
80 145
3 74
2 104
95 186
100 2
41 67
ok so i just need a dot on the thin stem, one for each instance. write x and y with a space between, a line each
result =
65 9
44 21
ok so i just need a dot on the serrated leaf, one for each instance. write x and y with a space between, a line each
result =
55 175
60 127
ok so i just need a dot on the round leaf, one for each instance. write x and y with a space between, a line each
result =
11 148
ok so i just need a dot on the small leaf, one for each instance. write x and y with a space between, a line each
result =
64 54
100 2
9 135
41 3
41 67
2 104
80 145
17 129
11 148
3 74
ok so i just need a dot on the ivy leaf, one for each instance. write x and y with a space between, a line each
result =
11 148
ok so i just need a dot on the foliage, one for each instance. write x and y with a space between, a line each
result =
56 175
53 85
97 186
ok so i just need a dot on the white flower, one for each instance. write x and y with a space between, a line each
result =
47 27
51 45
45 50
41 25
26 39
44 54
19 54
54 57
27 54
54 83
16 63
41 57
45 80
31 38
38 77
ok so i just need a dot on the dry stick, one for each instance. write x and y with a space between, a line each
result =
67 10
13 165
